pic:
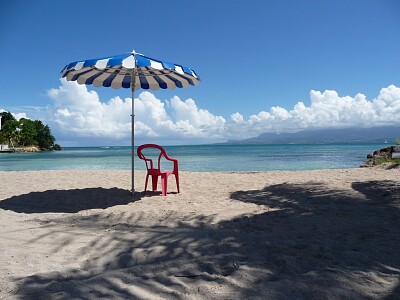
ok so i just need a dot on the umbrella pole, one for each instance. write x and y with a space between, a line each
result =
133 140
133 75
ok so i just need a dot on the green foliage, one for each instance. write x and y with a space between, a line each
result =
389 160
398 141
9 130
6 116
44 138
25 132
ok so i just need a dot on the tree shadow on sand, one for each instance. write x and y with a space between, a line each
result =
68 201
330 243
314 243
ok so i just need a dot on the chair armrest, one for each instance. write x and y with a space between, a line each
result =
174 160
148 160
169 158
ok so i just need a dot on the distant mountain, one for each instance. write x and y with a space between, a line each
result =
329 136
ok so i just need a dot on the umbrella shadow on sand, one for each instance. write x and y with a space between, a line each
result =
68 201
315 242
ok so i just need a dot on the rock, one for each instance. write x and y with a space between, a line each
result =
27 149
374 159
57 147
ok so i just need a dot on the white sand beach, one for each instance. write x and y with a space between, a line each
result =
326 234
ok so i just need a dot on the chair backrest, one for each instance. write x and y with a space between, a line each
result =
149 162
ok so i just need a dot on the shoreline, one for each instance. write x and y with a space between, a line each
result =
384 165
271 234
201 158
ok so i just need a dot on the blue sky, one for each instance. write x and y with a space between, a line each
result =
257 61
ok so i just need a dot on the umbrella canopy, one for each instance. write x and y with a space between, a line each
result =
130 70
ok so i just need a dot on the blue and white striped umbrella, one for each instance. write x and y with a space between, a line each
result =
130 70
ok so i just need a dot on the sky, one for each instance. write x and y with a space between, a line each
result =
265 66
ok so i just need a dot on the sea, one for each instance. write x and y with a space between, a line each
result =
199 158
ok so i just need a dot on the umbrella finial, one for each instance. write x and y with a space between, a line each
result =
133 52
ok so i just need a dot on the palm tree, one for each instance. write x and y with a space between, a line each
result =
9 131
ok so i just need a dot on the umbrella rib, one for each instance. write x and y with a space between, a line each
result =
188 79
108 81
76 74
157 78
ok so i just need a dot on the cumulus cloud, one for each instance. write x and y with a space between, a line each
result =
80 113
237 118
176 120
327 110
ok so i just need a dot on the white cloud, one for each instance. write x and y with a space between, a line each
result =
77 111
78 114
237 118
327 110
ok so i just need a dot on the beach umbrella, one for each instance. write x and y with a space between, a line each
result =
130 70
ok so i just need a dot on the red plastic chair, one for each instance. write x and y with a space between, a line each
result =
156 172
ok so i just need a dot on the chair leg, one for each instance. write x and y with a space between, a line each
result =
177 182
164 184
145 185
154 181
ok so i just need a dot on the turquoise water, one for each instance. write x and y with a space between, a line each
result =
199 158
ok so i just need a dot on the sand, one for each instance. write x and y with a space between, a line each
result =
326 234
